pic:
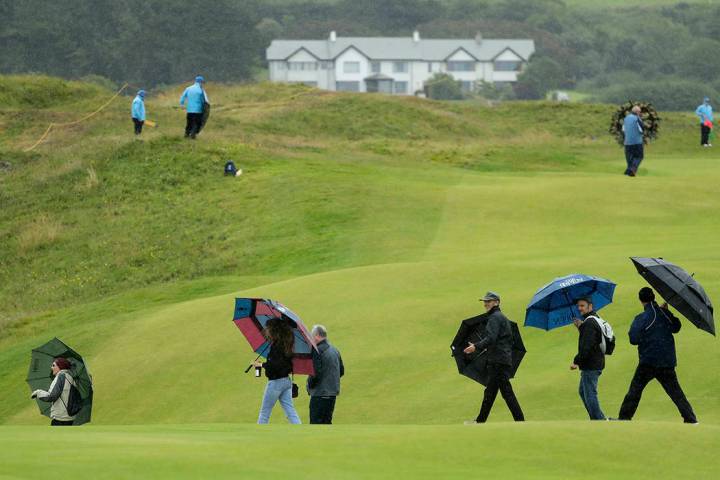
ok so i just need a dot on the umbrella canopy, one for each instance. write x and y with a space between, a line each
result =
554 306
40 376
251 315
679 289
474 366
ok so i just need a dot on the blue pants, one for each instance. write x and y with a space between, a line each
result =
280 389
589 395
634 154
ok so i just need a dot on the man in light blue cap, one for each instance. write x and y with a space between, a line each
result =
705 113
138 111
196 99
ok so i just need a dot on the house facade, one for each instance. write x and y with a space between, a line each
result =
395 65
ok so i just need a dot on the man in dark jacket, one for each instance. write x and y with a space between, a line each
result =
652 331
324 386
590 359
498 343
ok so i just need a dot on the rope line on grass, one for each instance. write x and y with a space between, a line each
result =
75 122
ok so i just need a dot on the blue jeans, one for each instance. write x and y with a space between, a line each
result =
280 389
589 395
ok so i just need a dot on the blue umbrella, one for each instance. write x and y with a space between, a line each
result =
554 306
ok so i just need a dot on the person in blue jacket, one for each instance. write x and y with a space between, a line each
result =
705 113
633 131
652 331
138 111
196 98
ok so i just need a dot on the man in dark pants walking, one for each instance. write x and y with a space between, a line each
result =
634 149
498 343
324 386
652 331
590 358
196 99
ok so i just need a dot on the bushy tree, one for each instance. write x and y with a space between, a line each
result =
443 87
541 75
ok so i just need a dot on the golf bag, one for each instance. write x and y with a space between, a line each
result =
607 342
230 168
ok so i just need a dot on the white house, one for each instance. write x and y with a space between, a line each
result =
398 65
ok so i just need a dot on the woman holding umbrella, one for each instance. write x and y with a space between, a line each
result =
278 369
59 393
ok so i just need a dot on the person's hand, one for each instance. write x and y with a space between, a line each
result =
573 366
470 348
664 306
34 394
257 364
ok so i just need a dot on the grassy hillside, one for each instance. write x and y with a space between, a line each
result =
383 218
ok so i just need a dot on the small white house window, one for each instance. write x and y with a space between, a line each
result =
375 67
351 67
347 86
400 67
460 66
401 87
302 66
507 66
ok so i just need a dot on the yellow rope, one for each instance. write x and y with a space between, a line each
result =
68 124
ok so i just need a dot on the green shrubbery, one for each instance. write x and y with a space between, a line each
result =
665 94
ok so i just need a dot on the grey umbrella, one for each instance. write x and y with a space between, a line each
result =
679 289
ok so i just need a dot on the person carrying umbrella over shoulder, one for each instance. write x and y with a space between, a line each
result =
652 331
498 342
138 111
590 358
59 393
278 368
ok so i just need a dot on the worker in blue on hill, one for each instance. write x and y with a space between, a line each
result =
705 112
633 131
196 99
138 111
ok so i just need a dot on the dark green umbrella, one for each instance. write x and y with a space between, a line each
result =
40 376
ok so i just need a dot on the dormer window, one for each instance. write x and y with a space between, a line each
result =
460 66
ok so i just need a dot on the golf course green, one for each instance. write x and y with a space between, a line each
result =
383 218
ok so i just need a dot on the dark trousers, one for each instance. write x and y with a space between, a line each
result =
321 410
192 124
634 154
499 379
668 379
60 423
138 126
704 135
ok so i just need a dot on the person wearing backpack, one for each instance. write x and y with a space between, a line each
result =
59 393
590 358
652 331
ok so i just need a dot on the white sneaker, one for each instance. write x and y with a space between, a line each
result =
470 422
709 144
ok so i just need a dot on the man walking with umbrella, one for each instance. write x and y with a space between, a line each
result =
590 358
498 342
652 331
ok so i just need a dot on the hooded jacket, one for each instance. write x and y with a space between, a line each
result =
498 338
652 331
195 97
704 112
59 395
590 356
138 108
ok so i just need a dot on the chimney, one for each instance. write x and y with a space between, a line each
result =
478 38
416 36
333 36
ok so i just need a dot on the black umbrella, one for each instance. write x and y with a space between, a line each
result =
474 365
679 289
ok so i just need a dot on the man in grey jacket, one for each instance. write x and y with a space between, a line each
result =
498 342
324 386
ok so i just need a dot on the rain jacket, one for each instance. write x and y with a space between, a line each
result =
59 395
652 331
632 127
195 96
138 108
704 112
589 356
329 368
498 338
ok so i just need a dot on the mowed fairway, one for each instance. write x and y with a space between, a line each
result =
424 241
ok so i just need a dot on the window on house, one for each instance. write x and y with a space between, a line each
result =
375 67
460 66
326 65
430 68
400 67
401 87
280 65
347 86
302 66
351 67
507 66
466 86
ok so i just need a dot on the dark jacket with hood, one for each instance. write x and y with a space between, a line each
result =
498 338
652 331
278 364
590 356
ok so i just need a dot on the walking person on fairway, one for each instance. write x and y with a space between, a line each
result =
652 331
634 150
705 113
278 369
196 99
498 341
324 386
590 358
138 111
59 393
